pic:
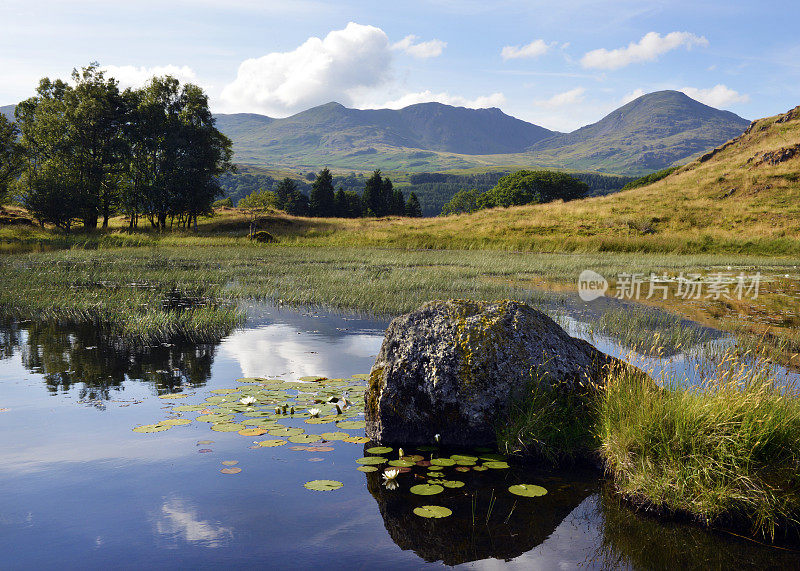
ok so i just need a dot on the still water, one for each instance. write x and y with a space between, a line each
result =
80 489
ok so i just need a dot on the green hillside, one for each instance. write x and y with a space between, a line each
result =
649 133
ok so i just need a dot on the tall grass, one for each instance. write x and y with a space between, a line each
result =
725 452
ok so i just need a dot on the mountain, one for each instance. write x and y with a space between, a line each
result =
8 111
647 134
334 133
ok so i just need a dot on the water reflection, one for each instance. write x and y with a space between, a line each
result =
180 522
79 357
487 522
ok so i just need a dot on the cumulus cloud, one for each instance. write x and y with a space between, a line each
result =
320 70
422 50
481 102
565 98
635 94
648 48
717 96
133 76
534 49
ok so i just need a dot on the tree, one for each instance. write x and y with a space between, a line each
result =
256 204
398 202
464 201
177 154
527 187
373 200
413 207
10 156
322 201
348 204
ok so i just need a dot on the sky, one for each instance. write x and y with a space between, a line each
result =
559 64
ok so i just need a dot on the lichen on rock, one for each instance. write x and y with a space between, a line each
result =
453 367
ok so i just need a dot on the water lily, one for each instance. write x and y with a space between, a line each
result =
390 478
400 453
314 411
437 437
248 400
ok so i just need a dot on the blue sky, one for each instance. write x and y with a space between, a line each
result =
558 64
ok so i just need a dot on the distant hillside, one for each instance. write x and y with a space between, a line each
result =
332 130
647 134
8 111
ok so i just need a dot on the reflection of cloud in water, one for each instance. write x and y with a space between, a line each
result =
279 349
178 521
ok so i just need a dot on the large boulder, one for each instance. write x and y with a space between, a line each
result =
453 367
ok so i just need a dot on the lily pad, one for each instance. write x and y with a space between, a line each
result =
271 443
372 460
323 485
214 417
434 512
401 463
173 396
352 424
496 465
231 470
252 431
412 458
356 439
458 457
527 490
286 431
175 422
367 469
224 391
227 427
146 428
443 462
230 462
204 442
452 483
379 450
312 379
304 438
334 435
479 468
426 489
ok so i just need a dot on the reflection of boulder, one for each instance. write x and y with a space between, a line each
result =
453 367
640 541
515 524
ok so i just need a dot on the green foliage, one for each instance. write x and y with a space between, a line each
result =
463 202
527 187
10 156
549 421
412 207
91 151
322 201
724 452
380 198
650 178
290 198
223 203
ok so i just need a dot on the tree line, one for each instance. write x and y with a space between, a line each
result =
379 198
85 151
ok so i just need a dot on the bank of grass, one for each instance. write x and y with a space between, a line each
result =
723 453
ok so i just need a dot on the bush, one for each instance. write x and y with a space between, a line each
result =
530 187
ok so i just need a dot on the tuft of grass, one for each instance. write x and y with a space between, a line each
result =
725 452
549 422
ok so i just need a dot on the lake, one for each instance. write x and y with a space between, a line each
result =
82 489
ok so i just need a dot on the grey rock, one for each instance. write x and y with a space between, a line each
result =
453 367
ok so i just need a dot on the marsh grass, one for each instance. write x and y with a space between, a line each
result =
725 452
650 331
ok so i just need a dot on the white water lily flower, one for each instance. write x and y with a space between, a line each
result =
248 400
437 437
391 473
314 411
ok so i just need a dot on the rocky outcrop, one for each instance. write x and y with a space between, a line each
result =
453 367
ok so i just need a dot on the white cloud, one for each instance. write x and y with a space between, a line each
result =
561 99
133 76
422 50
534 49
318 71
648 48
481 102
635 94
717 96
